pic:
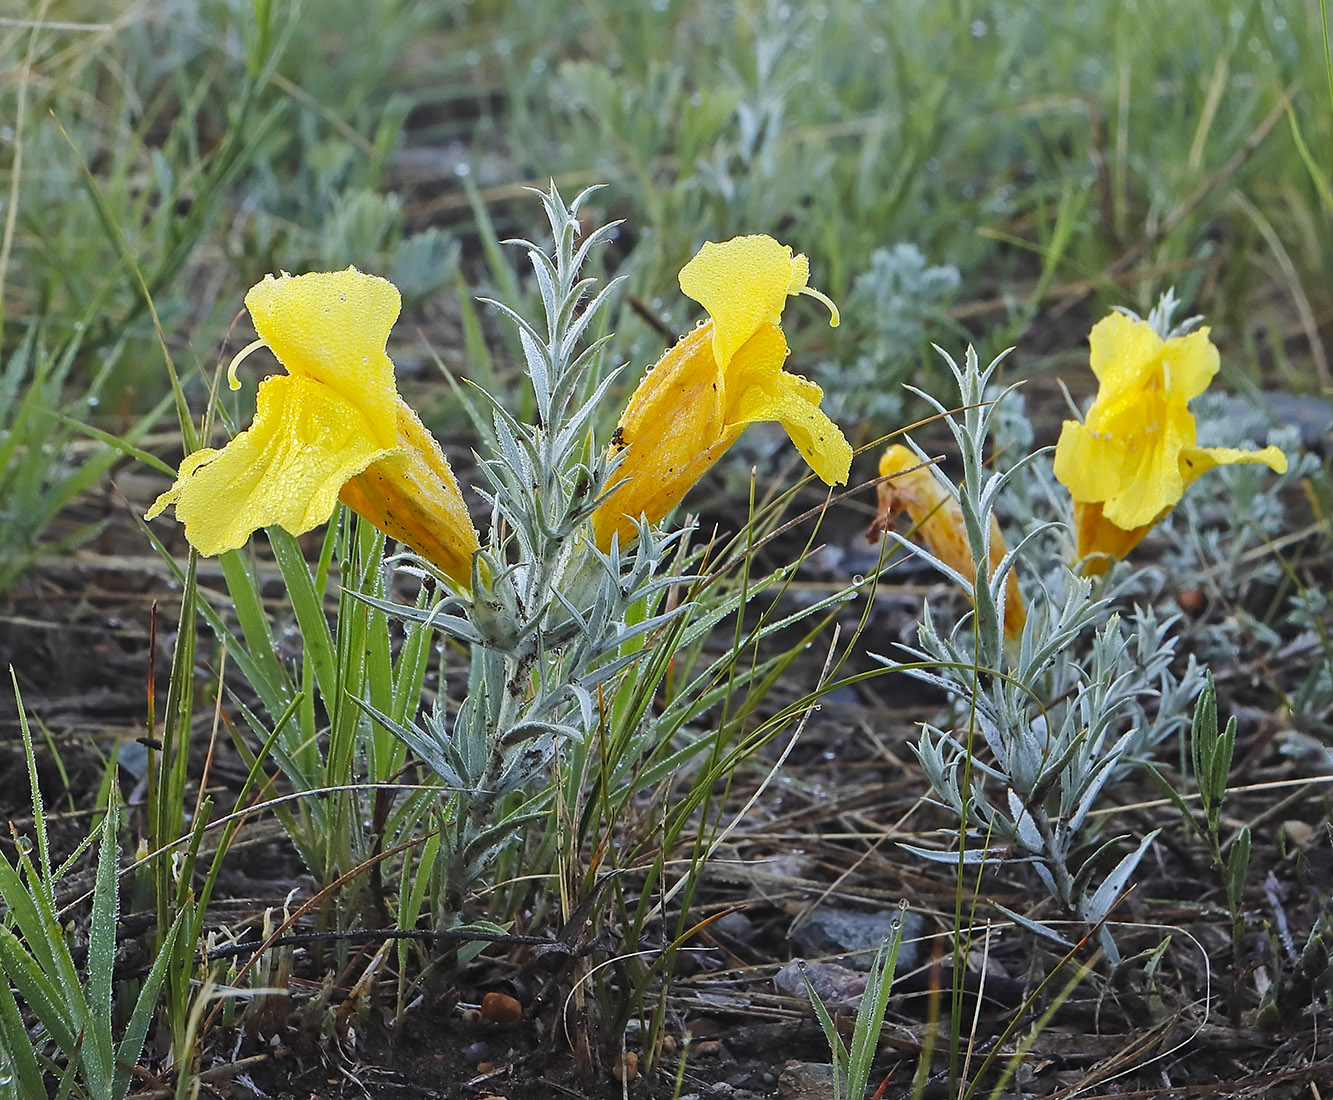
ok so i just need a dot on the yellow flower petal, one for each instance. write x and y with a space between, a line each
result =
1123 352
744 283
188 466
332 326
759 389
286 469
1149 469
411 495
1189 364
937 520
672 431
800 266
1087 464
1199 460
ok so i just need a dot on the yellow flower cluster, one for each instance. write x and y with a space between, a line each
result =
334 428
1126 466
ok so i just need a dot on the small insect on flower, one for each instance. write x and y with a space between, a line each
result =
333 427
723 375
1131 460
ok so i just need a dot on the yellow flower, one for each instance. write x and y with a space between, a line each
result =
1133 458
937 520
332 427
725 374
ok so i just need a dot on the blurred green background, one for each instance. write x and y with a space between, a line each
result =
996 173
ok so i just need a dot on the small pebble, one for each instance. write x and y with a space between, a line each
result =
1192 601
627 1067
1299 833
806 1081
500 1008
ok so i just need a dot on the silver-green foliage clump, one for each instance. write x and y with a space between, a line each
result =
551 619
1073 705
1238 542
888 310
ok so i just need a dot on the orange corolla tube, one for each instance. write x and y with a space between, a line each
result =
937 520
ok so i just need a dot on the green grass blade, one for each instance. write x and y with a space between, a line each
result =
837 1048
38 807
131 1043
97 1046
16 1054
308 605
258 657
870 1012
60 1013
125 444
32 915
